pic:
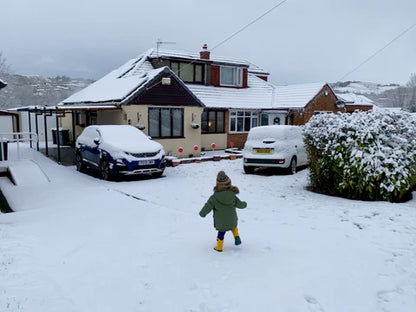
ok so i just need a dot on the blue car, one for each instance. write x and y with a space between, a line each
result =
118 150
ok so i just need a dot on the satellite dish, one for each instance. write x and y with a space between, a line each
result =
339 104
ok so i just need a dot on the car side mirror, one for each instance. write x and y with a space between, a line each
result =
97 141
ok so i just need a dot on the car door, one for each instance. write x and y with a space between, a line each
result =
300 148
90 151
302 155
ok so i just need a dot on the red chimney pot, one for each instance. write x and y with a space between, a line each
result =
204 53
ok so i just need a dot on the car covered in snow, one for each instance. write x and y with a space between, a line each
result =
118 150
279 146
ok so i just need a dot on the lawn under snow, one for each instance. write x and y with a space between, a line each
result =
81 244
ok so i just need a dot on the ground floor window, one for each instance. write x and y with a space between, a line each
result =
243 121
166 122
213 121
91 118
322 112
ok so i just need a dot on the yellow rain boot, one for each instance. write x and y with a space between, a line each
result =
220 242
237 240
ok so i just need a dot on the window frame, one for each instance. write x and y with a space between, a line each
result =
206 120
239 117
237 76
172 126
178 65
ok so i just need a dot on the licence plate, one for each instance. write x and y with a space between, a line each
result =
263 151
146 162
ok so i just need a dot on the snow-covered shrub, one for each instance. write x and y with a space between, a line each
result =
364 155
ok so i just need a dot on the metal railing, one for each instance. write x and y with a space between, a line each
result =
16 137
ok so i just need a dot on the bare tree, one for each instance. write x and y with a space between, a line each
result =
4 67
410 100
412 81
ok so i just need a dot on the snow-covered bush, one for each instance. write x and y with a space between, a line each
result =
364 155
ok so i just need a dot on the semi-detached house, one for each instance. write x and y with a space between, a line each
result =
190 102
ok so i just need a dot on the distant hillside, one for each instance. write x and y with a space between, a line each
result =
391 95
364 88
34 90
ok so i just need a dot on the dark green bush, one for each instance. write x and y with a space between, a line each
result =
364 155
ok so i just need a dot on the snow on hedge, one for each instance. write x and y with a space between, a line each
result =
364 155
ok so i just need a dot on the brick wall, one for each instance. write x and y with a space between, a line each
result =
323 101
352 108
215 76
238 138
245 78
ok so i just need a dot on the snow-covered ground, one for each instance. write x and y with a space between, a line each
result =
77 243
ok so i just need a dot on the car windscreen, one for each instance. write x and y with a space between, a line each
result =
275 132
121 135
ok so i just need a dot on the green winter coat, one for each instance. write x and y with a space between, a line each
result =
223 204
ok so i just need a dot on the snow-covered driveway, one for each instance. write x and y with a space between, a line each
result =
82 244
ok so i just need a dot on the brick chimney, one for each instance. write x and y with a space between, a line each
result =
204 53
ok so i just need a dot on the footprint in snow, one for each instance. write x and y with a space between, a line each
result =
313 304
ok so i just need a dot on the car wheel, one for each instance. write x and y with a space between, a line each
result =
293 165
104 170
248 169
157 174
79 163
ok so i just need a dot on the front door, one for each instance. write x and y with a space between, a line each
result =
272 118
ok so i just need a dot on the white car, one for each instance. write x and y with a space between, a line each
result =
274 146
119 150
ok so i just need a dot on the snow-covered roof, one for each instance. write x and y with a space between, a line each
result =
259 94
296 95
118 84
355 99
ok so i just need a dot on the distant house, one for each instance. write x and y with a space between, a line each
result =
2 84
355 101
9 122
193 101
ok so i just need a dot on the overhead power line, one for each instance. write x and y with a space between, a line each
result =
378 51
248 25
235 33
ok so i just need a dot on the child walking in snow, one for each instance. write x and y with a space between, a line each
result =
223 203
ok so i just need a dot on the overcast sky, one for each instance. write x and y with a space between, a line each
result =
300 41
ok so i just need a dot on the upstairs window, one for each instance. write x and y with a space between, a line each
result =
188 72
231 76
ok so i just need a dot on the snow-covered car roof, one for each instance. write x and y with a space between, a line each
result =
277 131
126 138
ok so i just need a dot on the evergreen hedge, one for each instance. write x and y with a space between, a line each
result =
364 155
